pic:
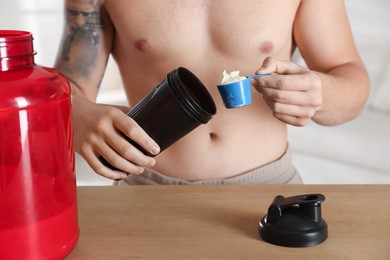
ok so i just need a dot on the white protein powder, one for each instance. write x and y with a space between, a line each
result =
231 77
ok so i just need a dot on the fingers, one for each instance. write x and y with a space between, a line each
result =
103 137
291 114
272 65
119 163
292 92
292 82
107 162
303 90
133 131
121 153
292 120
97 165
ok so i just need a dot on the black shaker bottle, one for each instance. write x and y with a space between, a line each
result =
179 104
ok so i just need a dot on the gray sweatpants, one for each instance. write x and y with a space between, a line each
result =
281 171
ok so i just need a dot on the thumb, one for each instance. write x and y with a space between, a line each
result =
272 65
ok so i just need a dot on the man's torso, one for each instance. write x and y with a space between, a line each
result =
154 37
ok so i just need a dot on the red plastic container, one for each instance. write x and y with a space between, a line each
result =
38 203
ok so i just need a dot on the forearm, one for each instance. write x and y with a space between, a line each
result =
345 90
85 46
324 38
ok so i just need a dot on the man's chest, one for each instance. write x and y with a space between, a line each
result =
201 25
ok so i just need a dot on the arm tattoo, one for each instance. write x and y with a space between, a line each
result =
83 21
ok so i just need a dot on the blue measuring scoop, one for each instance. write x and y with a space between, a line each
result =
239 93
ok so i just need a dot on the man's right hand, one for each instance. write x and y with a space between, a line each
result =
98 133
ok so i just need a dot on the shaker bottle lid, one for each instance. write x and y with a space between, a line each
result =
294 221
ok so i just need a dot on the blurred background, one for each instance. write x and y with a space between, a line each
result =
355 152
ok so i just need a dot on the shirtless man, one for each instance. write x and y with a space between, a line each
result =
150 38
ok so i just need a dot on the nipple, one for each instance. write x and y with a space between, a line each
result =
266 47
142 45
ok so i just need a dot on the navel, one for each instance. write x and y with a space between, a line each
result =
213 136
142 45
266 47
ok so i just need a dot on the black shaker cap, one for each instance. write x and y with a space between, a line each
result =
294 221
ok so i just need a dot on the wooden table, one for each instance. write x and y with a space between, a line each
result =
221 222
